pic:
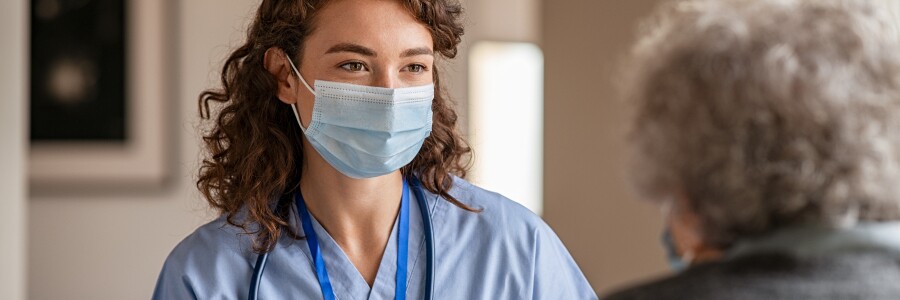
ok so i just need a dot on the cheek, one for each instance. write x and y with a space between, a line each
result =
427 76
421 79
308 102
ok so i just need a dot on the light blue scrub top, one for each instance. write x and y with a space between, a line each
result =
503 252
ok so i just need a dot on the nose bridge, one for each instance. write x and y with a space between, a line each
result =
387 78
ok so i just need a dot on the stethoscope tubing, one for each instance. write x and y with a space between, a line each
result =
261 260
429 239
257 274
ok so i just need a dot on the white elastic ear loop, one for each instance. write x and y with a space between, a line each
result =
294 109
301 76
294 106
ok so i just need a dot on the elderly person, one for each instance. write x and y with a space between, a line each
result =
770 129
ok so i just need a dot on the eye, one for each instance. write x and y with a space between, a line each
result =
416 68
354 67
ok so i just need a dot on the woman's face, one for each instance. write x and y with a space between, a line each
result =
365 42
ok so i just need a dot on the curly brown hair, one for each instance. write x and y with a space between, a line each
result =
253 149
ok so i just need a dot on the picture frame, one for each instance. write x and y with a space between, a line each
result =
141 161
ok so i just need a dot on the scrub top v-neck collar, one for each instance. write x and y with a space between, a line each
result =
347 282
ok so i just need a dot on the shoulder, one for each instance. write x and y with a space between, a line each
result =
491 204
209 245
195 266
497 221
494 210
694 283
661 288
214 239
193 269
749 277
857 275
521 247
726 279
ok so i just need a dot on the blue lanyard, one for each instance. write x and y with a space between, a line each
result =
402 246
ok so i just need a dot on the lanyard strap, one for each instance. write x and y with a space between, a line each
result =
402 246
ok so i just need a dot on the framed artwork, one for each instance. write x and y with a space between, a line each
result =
99 94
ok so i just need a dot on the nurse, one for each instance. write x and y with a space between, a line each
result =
334 161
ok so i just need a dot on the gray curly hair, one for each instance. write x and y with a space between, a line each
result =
769 113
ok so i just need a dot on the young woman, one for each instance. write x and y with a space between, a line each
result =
335 163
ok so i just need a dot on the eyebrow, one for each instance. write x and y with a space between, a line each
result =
363 50
348 47
417 51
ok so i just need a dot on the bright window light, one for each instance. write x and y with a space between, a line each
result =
893 8
506 108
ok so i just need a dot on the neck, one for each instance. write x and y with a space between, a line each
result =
358 213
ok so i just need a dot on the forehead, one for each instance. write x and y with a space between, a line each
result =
379 24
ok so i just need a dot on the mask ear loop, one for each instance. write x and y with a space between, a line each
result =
293 105
688 256
294 67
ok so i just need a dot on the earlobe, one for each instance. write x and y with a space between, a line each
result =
274 62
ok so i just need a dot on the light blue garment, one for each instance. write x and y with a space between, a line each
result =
503 252
365 131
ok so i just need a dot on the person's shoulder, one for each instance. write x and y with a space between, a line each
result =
513 234
692 284
496 217
194 267
210 243
749 277
492 205
660 288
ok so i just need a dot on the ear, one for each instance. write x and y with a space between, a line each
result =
686 227
683 224
275 62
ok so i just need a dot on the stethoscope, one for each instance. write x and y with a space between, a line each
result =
429 247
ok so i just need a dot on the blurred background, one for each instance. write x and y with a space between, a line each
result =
94 216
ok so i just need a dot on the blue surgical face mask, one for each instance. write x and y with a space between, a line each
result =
676 262
364 131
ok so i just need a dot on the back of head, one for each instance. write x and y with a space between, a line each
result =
769 113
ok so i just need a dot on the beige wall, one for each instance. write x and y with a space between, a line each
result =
612 236
13 146
112 246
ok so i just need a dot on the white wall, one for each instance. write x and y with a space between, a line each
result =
494 20
112 246
13 146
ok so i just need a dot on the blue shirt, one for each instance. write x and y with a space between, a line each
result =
503 252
